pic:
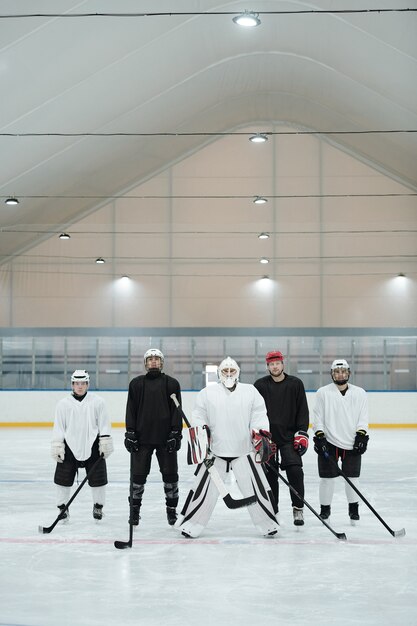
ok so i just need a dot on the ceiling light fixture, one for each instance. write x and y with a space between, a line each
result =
64 236
264 261
100 260
401 275
248 19
260 200
12 201
258 138
263 236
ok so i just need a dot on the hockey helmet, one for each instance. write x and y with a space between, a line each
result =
153 352
343 365
228 372
80 376
274 355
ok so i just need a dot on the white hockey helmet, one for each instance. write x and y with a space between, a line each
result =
228 372
343 365
153 352
80 376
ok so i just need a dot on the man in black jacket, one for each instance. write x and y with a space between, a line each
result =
153 424
288 415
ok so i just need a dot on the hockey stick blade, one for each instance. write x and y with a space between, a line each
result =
121 545
231 503
398 533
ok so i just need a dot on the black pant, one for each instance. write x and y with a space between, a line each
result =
291 462
141 463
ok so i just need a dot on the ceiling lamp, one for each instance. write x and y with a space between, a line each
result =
264 261
64 236
100 260
12 201
258 138
248 19
260 200
263 236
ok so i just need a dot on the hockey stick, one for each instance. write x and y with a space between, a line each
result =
121 545
230 502
295 492
48 529
394 533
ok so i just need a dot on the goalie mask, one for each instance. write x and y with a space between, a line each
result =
80 376
153 352
228 372
342 366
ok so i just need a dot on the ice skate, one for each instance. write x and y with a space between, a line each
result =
65 516
171 515
298 516
354 512
325 511
98 511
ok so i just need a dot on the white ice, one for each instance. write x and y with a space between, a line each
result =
230 575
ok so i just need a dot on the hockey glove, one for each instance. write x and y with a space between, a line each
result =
174 441
301 442
264 446
131 441
105 445
321 445
58 451
361 442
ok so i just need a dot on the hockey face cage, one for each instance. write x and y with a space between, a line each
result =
228 372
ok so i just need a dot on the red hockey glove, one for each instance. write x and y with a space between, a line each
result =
264 446
301 442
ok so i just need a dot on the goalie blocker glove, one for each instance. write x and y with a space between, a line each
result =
174 441
321 445
264 446
131 441
301 442
361 442
105 445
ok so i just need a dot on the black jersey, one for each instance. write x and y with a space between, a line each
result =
286 405
150 411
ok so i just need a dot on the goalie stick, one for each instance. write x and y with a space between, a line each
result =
121 545
48 529
341 536
394 533
230 502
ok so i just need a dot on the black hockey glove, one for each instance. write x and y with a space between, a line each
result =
301 442
131 441
321 445
174 441
361 442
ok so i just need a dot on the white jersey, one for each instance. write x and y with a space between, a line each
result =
231 416
79 423
340 416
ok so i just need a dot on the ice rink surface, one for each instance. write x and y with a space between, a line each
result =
230 575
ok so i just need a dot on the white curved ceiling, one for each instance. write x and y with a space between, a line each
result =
154 76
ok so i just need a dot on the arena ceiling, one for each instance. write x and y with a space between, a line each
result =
99 96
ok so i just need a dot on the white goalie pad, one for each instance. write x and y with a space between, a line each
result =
197 444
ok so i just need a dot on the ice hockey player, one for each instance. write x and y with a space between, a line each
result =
153 425
288 415
81 433
235 415
340 423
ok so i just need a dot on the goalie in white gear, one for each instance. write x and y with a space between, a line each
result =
81 433
235 415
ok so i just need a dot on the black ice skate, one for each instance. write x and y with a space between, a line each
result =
298 516
98 511
325 511
354 511
171 515
135 517
65 516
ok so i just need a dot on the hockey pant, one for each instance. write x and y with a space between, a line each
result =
202 498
